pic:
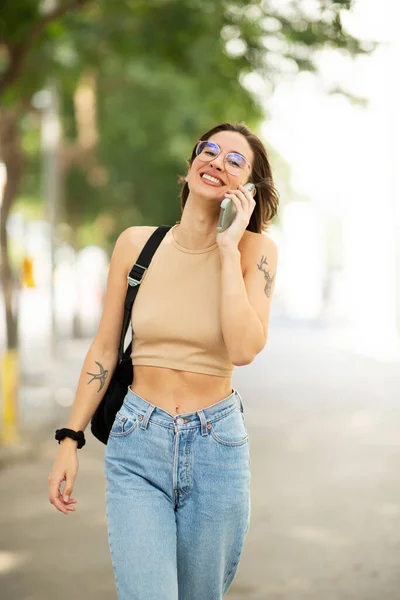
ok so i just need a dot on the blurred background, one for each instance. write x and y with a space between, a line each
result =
101 104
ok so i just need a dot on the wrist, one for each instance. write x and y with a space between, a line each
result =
69 443
229 250
77 437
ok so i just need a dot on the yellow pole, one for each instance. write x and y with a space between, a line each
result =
27 272
9 378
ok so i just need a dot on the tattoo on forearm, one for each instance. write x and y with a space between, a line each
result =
101 377
269 280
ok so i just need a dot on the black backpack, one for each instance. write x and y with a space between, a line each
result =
104 416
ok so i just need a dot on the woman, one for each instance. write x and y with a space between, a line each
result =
177 460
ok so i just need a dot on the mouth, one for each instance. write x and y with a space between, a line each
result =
211 180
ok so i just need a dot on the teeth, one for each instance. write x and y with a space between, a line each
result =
213 179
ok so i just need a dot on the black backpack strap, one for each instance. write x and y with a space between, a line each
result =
135 277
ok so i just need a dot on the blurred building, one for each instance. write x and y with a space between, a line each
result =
340 253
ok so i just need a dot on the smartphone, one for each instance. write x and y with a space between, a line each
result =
228 210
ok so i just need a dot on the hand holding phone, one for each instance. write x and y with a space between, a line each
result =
228 210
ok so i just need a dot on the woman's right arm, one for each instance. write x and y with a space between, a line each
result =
98 367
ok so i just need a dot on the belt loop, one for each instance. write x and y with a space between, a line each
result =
147 416
240 401
203 421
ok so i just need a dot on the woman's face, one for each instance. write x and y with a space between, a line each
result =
228 141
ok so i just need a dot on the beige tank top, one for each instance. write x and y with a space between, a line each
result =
176 313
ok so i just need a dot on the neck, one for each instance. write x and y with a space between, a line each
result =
197 228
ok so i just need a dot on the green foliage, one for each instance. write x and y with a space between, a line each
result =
165 71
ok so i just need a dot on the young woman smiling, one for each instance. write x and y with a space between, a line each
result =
177 461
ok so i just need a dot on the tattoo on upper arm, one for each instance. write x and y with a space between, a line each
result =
269 280
101 377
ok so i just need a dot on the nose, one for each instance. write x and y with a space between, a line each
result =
218 162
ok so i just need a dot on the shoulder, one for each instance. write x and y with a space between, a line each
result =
136 236
130 243
256 241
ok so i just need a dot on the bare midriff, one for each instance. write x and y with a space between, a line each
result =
179 392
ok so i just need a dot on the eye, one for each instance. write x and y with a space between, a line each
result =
211 149
234 163
207 149
236 160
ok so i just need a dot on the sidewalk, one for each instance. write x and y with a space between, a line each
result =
323 426
48 385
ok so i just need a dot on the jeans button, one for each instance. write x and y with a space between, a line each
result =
179 421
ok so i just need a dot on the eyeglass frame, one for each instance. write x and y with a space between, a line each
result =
224 152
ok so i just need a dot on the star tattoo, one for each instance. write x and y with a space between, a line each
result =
102 376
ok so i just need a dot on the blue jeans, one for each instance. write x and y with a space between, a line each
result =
177 498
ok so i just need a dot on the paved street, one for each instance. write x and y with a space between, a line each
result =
324 432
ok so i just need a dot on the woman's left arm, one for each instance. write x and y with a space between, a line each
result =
246 300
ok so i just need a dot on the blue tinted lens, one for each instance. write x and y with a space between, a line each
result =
207 150
236 161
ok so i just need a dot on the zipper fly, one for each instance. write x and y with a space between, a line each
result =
178 421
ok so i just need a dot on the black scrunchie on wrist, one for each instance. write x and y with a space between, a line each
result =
78 436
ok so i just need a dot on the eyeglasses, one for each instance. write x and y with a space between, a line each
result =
234 162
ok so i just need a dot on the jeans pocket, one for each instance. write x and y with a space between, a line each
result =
124 423
244 422
230 430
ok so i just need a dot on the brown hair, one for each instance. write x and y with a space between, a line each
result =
267 197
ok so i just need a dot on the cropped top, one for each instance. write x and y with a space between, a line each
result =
176 314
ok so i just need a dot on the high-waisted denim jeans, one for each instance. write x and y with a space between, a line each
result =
178 499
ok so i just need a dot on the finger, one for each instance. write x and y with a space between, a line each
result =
241 206
54 494
59 505
64 506
246 192
238 203
242 192
246 204
68 488
239 195
249 197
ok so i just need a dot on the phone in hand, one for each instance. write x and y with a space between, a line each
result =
228 211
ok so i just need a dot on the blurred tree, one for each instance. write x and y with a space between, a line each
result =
139 81
171 70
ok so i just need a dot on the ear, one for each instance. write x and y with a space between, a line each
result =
254 192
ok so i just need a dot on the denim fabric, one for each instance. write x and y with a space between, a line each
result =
177 498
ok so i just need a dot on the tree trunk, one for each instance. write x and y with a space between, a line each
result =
11 155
